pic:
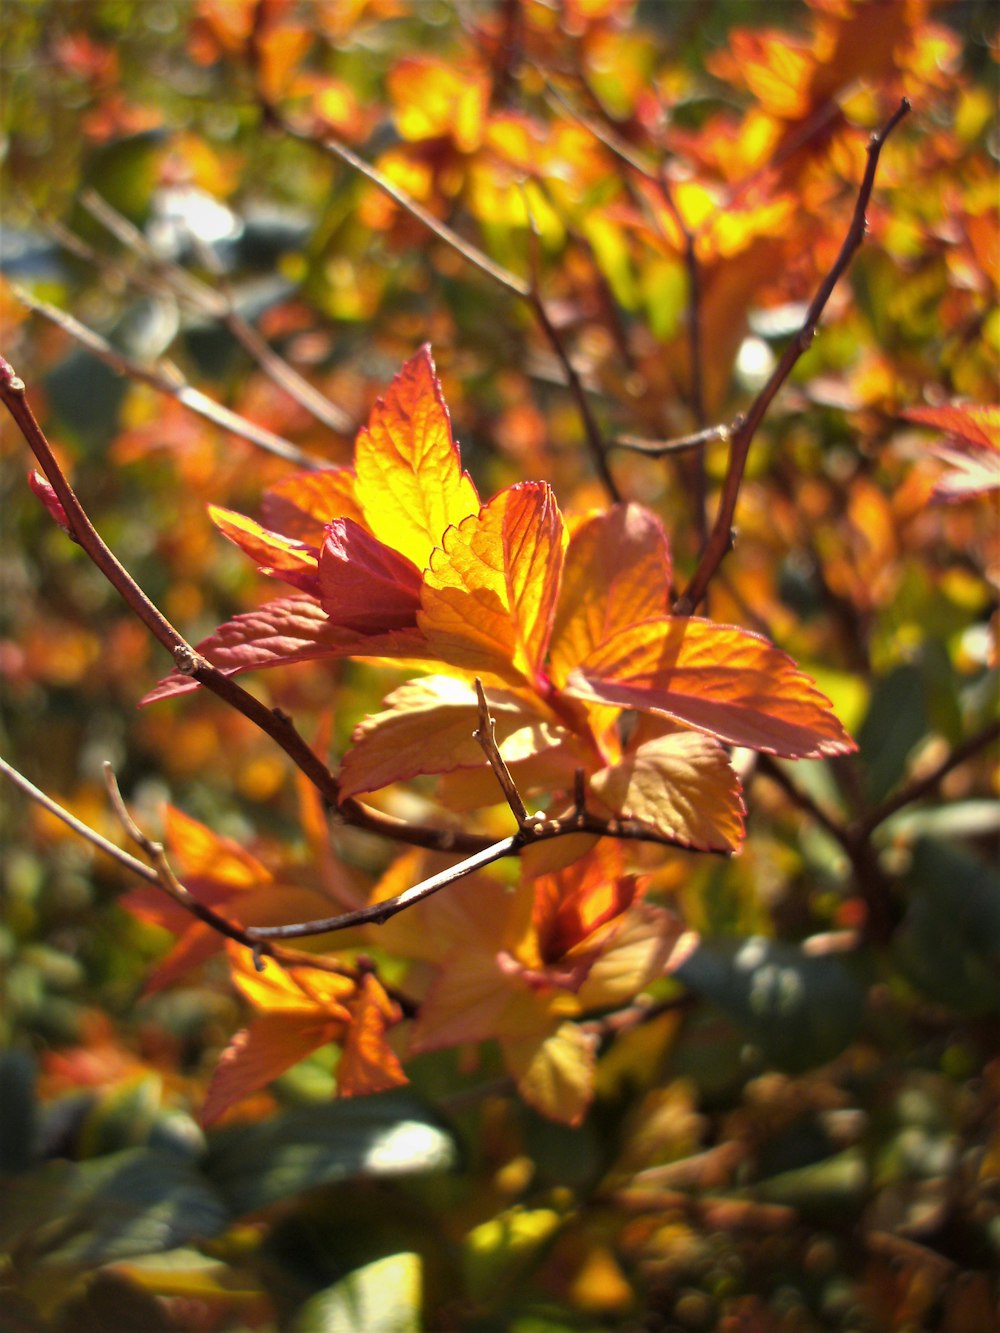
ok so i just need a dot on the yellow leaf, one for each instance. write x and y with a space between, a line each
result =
556 1075
409 484
489 595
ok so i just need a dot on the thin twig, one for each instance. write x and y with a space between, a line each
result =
921 786
274 723
659 448
485 734
592 432
743 431
167 379
378 913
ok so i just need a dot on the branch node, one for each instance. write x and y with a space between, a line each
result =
258 960
486 736
186 659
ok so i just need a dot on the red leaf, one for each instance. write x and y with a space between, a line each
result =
365 585
291 629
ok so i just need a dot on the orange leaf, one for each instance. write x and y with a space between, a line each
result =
201 853
368 1063
725 681
617 572
683 786
284 557
648 944
572 903
303 504
308 992
489 595
409 482
259 1054
556 1075
428 728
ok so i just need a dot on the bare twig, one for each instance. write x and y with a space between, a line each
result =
166 378
921 786
659 448
591 430
378 913
486 736
744 429
273 723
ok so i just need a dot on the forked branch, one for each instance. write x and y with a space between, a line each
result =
744 428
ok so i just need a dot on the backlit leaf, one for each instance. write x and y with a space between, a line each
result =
428 728
727 682
364 585
555 1076
284 557
303 504
257 1055
489 595
409 483
617 572
368 1063
683 786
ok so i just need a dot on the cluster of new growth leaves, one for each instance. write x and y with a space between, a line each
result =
691 1035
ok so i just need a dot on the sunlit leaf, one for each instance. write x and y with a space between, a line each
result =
428 728
489 595
409 484
555 1076
303 504
724 681
683 786
617 572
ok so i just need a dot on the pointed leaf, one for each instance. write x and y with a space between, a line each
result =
489 595
303 504
364 585
368 1063
555 1076
258 1055
727 682
428 728
683 786
291 629
284 557
202 853
617 572
382 1297
409 484
303 991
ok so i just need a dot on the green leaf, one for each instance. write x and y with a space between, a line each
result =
382 1297
389 1134
949 943
17 1107
74 1216
800 1010
896 721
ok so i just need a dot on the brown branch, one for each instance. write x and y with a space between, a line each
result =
921 786
744 429
273 723
378 913
485 734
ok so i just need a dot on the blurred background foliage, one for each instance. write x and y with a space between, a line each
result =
808 1135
